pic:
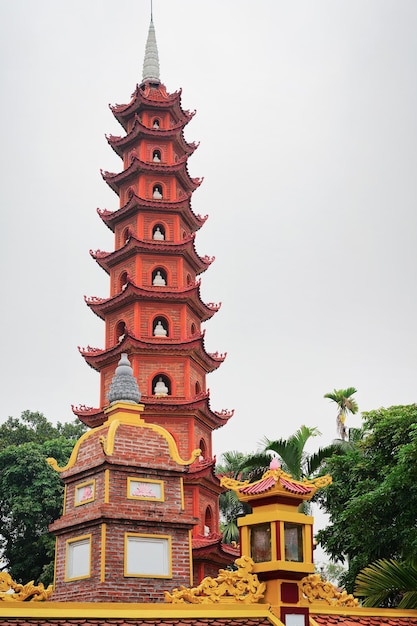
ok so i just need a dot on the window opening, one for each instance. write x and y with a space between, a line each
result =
159 277
160 327
161 385
158 232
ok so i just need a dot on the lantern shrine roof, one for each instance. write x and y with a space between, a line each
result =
185 248
182 206
179 169
194 348
189 294
275 482
120 144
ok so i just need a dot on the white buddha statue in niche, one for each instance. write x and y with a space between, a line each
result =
158 234
160 388
159 280
160 330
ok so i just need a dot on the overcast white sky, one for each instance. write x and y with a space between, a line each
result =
306 114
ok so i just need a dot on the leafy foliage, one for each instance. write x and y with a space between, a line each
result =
294 458
372 501
388 583
31 492
229 504
345 402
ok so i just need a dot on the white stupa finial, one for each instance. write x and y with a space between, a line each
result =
151 60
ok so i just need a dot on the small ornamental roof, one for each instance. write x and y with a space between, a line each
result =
276 482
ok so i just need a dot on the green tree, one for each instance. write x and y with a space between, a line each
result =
388 583
372 501
229 504
346 404
292 453
31 492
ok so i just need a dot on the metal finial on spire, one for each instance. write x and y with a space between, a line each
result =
151 60
124 387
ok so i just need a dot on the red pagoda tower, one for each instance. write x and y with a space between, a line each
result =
155 312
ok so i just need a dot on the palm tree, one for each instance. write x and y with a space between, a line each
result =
388 583
346 404
229 504
294 459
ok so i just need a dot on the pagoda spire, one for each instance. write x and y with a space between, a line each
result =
151 60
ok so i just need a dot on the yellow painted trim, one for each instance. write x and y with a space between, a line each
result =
150 611
103 554
283 566
173 450
182 494
261 517
190 554
81 486
106 485
124 413
74 540
148 536
74 454
55 560
145 481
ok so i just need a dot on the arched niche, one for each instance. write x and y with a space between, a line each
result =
157 191
159 232
159 277
208 521
123 280
160 326
161 385
203 447
197 388
156 155
119 331
126 235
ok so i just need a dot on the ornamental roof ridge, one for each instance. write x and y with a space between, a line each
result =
193 346
137 166
275 480
190 293
135 202
116 141
184 246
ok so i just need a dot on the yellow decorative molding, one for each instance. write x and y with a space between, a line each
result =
118 415
316 589
230 586
276 474
11 591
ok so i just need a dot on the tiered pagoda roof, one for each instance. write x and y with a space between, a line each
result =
193 348
189 294
185 248
121 144
152 95
135 202
136 167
